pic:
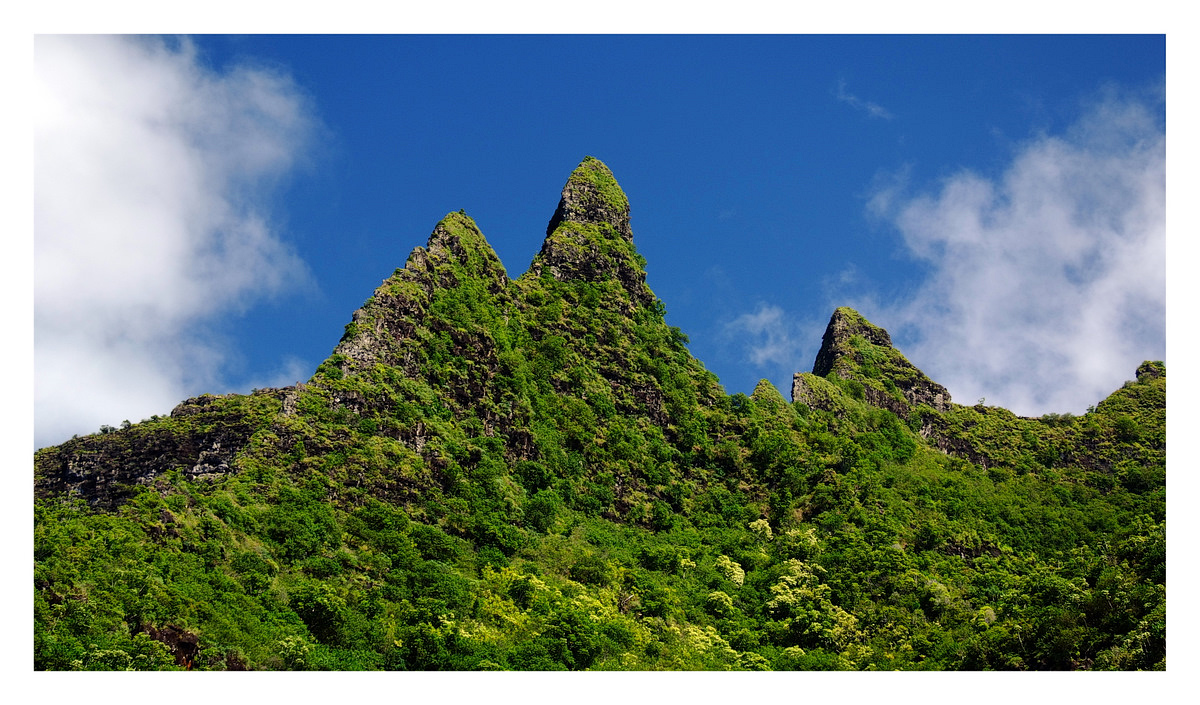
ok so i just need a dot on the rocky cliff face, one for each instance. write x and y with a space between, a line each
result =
199 440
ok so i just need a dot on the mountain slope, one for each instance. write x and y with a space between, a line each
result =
536 474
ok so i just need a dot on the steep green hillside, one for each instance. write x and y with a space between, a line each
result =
536 474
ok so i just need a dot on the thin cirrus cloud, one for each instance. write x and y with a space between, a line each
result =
152 182
871 109
1047 283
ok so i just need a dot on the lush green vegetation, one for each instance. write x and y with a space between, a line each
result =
536 474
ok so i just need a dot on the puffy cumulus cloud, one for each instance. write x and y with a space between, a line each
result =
152 180
1047 283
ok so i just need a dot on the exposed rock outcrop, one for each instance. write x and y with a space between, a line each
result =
1151 369
182 644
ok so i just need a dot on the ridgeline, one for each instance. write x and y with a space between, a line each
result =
536 474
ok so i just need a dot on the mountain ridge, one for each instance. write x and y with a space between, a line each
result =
535 473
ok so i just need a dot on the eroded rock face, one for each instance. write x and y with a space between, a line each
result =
201 439
105 468
1149 370
183 645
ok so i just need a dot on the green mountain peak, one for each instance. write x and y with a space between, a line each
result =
458 240
457 263
593 196
836 345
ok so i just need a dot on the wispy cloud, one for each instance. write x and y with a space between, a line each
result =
767 336
152 174
1048 282
872 109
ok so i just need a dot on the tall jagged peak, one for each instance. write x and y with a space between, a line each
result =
593 196
589 238
855 349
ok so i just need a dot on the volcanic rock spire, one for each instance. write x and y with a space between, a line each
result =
592 196
589 237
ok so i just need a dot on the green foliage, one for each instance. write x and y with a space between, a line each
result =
543 509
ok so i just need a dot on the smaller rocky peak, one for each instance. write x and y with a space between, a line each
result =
765 392
855 349
1150 370
592 196
836 343
458 243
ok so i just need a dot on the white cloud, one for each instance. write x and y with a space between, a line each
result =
152 178
1047 286
871 109
767 336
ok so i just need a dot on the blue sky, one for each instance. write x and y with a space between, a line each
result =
209 211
